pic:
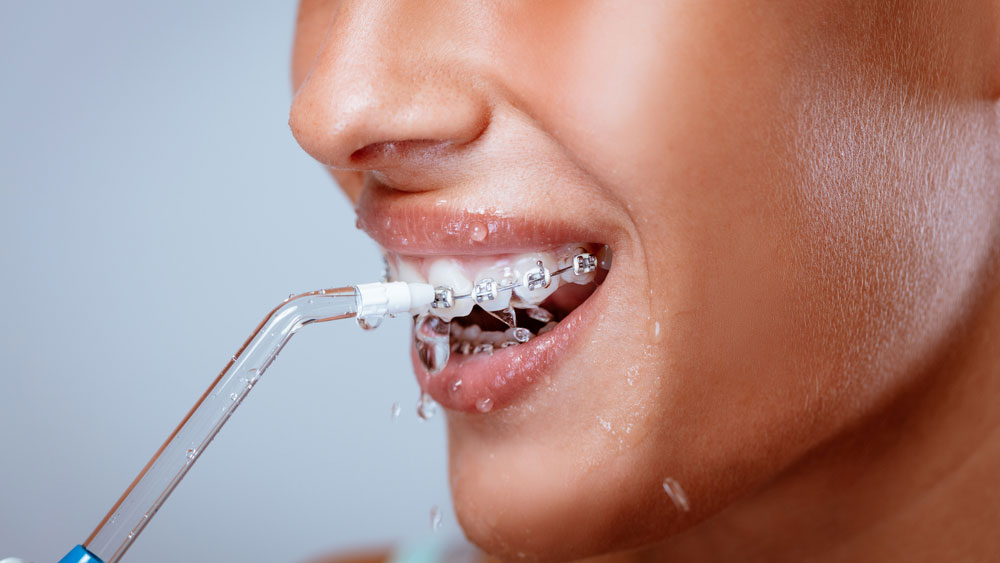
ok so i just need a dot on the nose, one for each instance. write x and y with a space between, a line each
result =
390 84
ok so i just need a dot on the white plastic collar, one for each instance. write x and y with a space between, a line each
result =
378 300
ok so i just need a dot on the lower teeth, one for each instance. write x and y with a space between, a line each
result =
435 340
539 314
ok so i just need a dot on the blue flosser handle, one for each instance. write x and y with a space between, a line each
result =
79 554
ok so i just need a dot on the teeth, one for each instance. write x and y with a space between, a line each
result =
534 283
539 314
407 271
503 276
494 337
546 328
528 264
472 333
566 261
604 257
446 272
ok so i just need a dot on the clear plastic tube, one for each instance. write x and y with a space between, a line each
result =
129 516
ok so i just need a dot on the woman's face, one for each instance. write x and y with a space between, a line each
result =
798 197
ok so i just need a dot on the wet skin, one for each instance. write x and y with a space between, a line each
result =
803 196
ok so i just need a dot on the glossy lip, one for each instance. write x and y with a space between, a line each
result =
422 224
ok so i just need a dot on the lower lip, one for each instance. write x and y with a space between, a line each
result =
485 383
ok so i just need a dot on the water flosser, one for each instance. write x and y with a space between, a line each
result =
368 303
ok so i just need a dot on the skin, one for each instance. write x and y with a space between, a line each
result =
806 200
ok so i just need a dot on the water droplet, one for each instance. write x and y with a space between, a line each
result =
232 358
191 453
396 409
322 292
357 223
478 231
483 349
290 295
656 329
435 518
233 396
369 323
541 315
432 341
455 386
676 494
426 408
631 374
310 301
484 404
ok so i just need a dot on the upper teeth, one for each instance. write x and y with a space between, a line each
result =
448 274
529 278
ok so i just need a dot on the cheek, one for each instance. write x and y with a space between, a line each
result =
799 226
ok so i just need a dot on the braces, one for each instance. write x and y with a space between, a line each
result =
489 289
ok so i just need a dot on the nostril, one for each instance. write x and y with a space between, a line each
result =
382 154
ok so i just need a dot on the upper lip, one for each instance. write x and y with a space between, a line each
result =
440 222
432 223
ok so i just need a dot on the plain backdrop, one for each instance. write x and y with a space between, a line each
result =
154 207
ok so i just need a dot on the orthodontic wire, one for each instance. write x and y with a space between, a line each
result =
589 258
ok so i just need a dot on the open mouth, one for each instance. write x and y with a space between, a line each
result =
489 306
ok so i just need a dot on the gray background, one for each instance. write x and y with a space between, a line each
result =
154 207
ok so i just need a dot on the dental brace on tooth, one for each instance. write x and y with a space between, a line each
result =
436 336
489 289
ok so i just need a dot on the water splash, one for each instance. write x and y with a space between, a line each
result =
507 316
426 407
432 341
396 409
435 518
